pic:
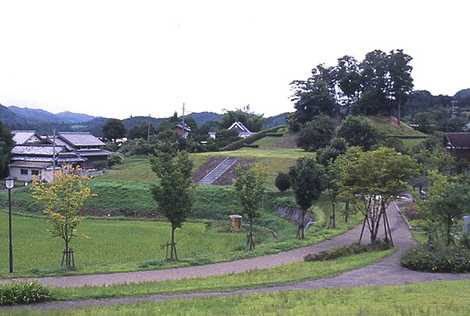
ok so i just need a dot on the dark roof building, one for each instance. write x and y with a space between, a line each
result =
458 144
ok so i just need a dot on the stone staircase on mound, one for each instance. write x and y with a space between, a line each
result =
218 171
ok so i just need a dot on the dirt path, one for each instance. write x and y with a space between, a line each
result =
385 272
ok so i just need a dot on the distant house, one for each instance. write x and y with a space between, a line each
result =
35 155
458 144
241 129
183 129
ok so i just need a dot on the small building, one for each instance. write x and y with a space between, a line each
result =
241 129
458 144
183 129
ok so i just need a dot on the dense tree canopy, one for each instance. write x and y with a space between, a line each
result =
114 129
317 133
380 84
358 132
254 122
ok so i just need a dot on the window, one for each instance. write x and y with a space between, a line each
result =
24 172
35 172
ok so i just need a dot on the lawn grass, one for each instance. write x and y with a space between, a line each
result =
287 273
448 298
383 125
112 245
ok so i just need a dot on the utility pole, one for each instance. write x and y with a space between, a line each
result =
53 155
182 116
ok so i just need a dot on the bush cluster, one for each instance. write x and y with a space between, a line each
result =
455 259
346 251
284 202
282 182
273 132
23 293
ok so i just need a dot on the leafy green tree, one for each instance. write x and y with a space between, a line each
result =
63 199
254 122
400 80
114 129
250 188
6 145
282 182
317 133
448 200
357 131
173 193
374 178
144 131
349 81
308 181
316 95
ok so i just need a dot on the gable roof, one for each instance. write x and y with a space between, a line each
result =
37 150
458 140
240 126
80 139
21 137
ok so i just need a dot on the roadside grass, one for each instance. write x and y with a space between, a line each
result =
431 298
282 274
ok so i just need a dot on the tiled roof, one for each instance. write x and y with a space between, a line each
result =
21 137
30 164
58 142
458 140
39 150
80 139
93 152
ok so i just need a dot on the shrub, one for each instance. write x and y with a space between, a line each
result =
345 251
115 159
23 293
285 202
282 182
455 259
412 213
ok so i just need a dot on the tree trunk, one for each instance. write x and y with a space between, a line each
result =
301 228
346 212
173 254
449 224
250 238
333 216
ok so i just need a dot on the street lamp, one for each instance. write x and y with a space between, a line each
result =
10 183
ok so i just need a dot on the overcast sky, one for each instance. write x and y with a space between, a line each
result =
121 58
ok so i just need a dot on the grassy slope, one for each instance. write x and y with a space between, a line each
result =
405 300
293 272
383 125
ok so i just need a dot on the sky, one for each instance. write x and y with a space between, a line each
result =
119 58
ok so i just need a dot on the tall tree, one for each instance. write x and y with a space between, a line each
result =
173 193
308 181
349 81
114 129
254 122
250 188
316 95
6 145
400 80
63 199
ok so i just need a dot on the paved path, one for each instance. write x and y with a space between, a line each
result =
385 272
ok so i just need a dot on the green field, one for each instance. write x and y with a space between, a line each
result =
112 245
382 123
427 299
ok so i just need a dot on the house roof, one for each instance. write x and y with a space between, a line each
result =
240 126
93 152
30 164
458 140
80 139
58 142
38 150
21 137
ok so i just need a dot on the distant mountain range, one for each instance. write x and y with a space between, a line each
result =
43 121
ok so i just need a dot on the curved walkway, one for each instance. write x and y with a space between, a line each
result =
385 272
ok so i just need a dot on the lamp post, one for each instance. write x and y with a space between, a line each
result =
10 183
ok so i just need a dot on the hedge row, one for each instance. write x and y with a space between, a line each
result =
273 132
346 251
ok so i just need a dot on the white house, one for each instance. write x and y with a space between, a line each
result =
241 129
